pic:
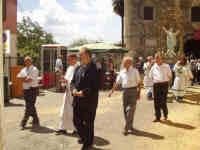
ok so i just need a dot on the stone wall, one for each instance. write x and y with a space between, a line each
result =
146 36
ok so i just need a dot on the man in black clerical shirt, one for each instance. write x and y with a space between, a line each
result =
85 88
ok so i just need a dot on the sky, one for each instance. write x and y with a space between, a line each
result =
70 20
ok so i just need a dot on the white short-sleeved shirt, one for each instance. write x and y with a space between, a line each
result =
69 73
31 72
129 78
160 73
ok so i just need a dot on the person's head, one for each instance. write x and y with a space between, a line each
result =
127 62
183 61
171 29
85 55
71 59
140 59
27 61
158 59
150 59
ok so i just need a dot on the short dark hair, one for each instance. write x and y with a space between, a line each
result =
86 50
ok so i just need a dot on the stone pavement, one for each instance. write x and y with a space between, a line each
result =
179 133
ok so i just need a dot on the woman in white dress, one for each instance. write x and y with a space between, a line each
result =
181 75
66 112
148 82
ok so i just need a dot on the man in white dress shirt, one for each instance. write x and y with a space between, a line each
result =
161 75
129 78
29 77
59 73
67 109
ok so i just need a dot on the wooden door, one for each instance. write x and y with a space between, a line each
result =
16 90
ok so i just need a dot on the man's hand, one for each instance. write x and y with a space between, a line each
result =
27 80
138 96
79 94
74 92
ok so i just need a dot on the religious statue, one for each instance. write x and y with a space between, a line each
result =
171 41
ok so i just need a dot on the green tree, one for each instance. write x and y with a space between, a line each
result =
118 7
30 37
79 42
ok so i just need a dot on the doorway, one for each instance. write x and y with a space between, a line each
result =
192 48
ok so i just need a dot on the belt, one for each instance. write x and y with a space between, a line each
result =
31 88
129 88
161 82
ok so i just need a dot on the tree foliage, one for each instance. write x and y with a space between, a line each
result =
79 42
118 7
30 37
83 41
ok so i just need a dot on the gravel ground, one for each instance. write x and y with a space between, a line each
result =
179 133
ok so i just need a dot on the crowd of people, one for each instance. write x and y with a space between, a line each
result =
83 82
105 67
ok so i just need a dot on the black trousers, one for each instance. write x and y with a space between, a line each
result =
194 73
160 99
30 96
83 119
198 76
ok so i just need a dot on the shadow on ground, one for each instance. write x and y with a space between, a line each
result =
98 141
147 134
13 105
192 96
178 125
95 148
190 103
40 129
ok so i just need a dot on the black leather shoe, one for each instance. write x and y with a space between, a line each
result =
61 131
22 126
125 132
156 120
88 147
74 133
80 141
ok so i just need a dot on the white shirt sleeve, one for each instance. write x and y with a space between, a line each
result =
22 74
151 72
169 73
119 79
69 73
34 74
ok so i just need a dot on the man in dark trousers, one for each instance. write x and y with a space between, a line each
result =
85 88
29 77
161 76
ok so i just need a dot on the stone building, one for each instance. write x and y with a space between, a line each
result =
10 23
144 21
9 38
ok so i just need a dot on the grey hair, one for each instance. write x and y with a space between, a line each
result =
28 58
125 59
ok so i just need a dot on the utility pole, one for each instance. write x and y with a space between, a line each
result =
2 145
